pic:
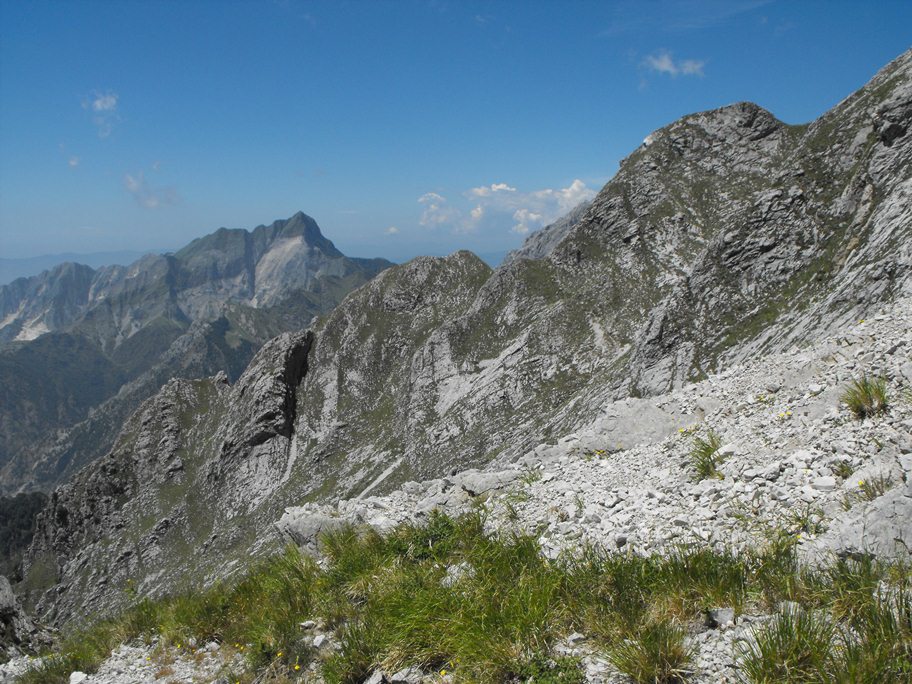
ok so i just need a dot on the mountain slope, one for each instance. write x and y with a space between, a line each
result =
727 234
76 337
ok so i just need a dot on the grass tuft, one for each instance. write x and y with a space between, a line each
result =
875 486
704 457
866 397
656 654
795 647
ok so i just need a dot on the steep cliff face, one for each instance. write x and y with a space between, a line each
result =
725 235
185 477
84 348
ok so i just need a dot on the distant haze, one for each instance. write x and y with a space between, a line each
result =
10 269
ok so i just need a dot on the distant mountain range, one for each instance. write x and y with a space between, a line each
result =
11 269
73 338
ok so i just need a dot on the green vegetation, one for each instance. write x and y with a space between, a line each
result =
866 397
795 647
447 596
807 646
654 655
875 486
704 456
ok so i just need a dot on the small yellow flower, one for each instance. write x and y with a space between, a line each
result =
443 673
297 667
788 413
861 483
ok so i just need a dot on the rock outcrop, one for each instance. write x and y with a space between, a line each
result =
18 634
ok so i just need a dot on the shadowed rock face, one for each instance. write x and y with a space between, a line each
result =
726 235
92 344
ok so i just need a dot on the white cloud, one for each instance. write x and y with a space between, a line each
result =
104 103
146 194
73 161
437 211
487 190
662 62
104 111
532 210
392 230
526 220
500 206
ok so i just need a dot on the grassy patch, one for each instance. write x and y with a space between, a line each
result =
866 397
447 596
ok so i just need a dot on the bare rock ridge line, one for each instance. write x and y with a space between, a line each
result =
81 348
727 238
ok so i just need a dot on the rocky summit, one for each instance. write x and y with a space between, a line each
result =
717 297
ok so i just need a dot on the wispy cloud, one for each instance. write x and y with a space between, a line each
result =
73 161
392 230
147 194
103 107
437 211
486 190
500 206
662 62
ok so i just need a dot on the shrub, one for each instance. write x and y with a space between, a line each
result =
866 397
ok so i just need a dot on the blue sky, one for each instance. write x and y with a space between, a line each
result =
403 127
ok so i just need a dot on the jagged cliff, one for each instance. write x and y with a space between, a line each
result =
84 347
726 235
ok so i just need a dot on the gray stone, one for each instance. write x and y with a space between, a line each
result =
477 483
827 483
407 675
8 604
305 528
719 617
376 677
882 528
